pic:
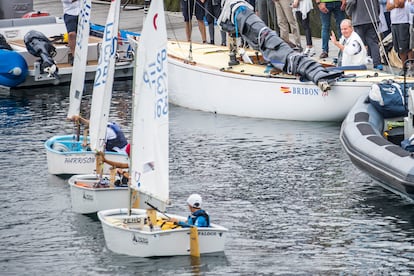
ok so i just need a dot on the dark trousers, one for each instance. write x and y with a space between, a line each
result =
370 39
306 27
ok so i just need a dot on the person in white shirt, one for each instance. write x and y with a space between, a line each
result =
400 28
71 9
352 49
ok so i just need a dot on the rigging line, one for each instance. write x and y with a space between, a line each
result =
190 18
371 13
173 30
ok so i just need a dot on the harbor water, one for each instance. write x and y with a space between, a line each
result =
293 202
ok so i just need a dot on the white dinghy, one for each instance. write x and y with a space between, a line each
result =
93 192
71 154
145 232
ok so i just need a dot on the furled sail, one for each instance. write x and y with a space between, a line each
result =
237 17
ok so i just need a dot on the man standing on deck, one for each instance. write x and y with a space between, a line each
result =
190 7
71 9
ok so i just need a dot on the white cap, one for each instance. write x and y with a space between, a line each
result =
194 201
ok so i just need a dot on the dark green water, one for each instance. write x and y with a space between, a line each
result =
293 202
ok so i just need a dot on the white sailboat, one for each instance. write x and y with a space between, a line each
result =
145 232
70 154
93 192
239 82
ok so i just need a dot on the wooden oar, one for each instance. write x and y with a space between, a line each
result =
194 245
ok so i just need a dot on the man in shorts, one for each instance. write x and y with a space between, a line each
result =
71 9
190 7
400 28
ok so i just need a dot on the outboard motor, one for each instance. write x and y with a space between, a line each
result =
237 17
40 46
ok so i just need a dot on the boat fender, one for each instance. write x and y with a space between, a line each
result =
13 68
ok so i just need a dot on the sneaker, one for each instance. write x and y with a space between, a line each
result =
310 52
323 55
379 67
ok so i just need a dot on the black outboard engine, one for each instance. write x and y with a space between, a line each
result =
238 16
40 46
3 44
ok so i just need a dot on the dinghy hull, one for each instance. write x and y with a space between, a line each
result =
86 199
123 235
65 156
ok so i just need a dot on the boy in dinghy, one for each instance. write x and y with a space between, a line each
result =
198 216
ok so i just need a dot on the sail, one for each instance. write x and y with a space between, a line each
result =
104 78
80 59
149 146
238 17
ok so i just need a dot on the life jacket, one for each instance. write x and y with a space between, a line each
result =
120 140
192 220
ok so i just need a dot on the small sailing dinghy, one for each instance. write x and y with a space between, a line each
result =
70 154
93 192
145 232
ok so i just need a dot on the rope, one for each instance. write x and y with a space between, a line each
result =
371 13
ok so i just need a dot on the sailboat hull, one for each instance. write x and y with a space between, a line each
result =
125 235
88 200
65 156
248 90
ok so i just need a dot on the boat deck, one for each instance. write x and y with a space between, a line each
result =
217 57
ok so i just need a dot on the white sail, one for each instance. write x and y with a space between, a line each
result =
104 78
149 147
80 59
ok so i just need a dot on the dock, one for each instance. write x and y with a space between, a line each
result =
132 18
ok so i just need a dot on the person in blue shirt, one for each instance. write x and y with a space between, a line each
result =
198 216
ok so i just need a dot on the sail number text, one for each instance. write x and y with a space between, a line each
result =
110 40
155 76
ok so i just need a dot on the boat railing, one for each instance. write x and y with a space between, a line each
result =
17 22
